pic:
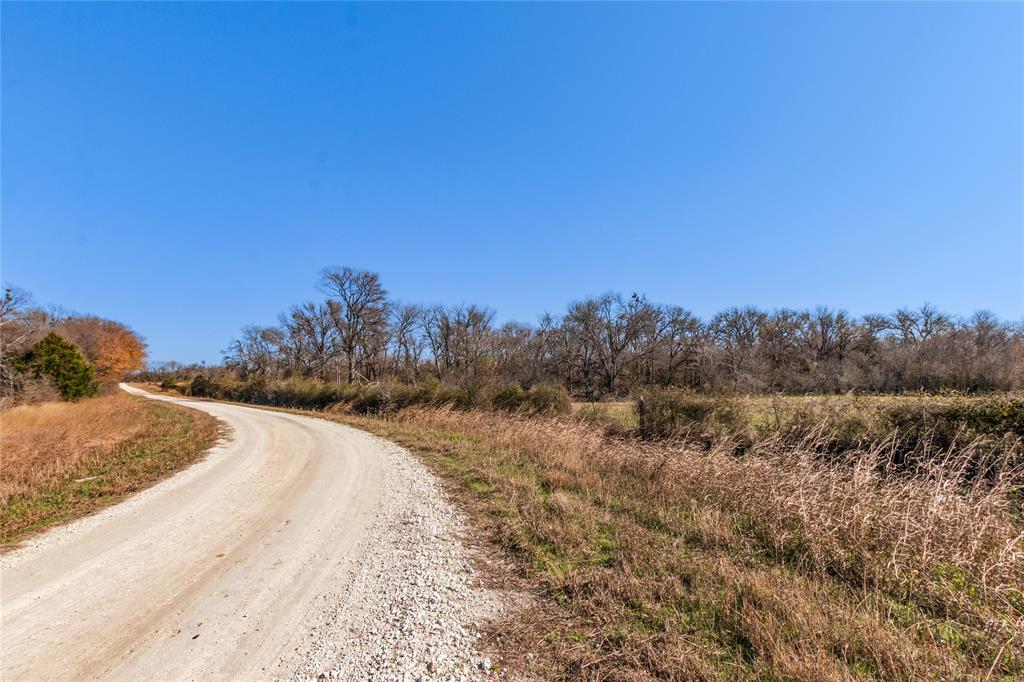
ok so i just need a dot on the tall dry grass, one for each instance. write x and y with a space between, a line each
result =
670 561
65 459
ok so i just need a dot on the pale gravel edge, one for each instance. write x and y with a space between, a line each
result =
61 534
409 607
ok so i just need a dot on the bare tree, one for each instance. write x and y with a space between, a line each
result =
257 353
358 305
457 337
609 326
612 344
407 341
16 332
737 332
312 342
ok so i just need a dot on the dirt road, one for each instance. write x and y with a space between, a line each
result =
298 548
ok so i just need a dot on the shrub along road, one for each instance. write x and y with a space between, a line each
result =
298 548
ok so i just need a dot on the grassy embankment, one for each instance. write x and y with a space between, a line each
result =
769 539
64 460
662 560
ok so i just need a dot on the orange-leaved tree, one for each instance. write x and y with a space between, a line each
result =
112 348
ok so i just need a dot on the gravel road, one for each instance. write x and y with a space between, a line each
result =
298 549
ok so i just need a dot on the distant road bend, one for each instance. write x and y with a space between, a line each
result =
295 550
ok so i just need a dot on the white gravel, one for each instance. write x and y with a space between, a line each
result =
408 609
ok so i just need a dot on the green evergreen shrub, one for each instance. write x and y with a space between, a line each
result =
202 387
60 360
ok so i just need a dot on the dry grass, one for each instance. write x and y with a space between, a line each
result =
64 460
662 561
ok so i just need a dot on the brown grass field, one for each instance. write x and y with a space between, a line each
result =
65 460
654 560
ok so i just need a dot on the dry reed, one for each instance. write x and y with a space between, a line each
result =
665 560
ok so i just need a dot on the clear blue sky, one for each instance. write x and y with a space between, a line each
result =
188 168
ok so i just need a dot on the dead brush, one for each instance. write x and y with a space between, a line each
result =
675 559
37 440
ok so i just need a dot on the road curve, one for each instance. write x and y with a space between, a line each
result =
258 562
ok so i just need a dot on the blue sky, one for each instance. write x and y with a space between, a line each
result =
189 168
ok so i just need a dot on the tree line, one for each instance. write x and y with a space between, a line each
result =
610 345
46 354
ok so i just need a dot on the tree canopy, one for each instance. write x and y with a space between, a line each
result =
612 344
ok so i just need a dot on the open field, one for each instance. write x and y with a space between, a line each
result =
65 460
611 412
765 412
